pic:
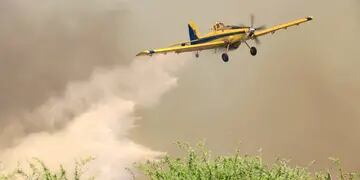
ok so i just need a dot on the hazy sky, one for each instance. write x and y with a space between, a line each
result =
298 98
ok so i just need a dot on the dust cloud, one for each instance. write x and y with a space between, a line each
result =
98 114
51 109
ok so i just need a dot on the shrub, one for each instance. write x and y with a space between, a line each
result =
198 165
37 170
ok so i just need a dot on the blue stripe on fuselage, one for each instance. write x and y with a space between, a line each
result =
211 38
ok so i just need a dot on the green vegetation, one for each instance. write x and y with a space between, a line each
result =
198 165
37 170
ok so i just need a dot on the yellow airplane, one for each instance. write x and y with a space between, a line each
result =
224 37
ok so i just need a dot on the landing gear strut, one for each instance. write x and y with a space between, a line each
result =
225 57
253 50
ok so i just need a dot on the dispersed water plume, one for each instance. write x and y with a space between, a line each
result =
47 107
96 116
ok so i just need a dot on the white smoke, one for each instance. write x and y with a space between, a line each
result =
96 116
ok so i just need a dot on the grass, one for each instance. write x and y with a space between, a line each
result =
37 170
198 165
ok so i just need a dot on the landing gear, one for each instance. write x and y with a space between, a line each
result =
225 57
197 55
253 51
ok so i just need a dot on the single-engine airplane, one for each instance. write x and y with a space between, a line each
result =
225 37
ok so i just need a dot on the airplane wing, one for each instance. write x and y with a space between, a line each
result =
282 26
186 48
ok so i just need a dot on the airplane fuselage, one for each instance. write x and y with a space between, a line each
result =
233 37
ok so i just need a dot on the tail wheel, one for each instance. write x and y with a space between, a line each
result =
253 51
225 57
197 55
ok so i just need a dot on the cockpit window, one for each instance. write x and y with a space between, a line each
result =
218 26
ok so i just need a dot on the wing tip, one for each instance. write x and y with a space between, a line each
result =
146 53
309 18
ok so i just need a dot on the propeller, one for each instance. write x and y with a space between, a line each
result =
253 29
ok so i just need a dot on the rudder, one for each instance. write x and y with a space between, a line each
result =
193 31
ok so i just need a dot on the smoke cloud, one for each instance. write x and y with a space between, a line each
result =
45 44
98 114
51 109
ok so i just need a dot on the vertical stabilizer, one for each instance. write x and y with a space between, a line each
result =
193 31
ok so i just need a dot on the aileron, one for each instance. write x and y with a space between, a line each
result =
283 26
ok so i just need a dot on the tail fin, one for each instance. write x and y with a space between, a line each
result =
193 31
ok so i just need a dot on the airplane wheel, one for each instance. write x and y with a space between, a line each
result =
225 57
197 55
253 51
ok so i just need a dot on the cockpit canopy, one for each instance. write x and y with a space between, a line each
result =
218 26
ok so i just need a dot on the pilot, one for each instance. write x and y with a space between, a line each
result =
218 26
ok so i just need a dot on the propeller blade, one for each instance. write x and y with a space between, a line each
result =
252 19
261 27
240 25
257 41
